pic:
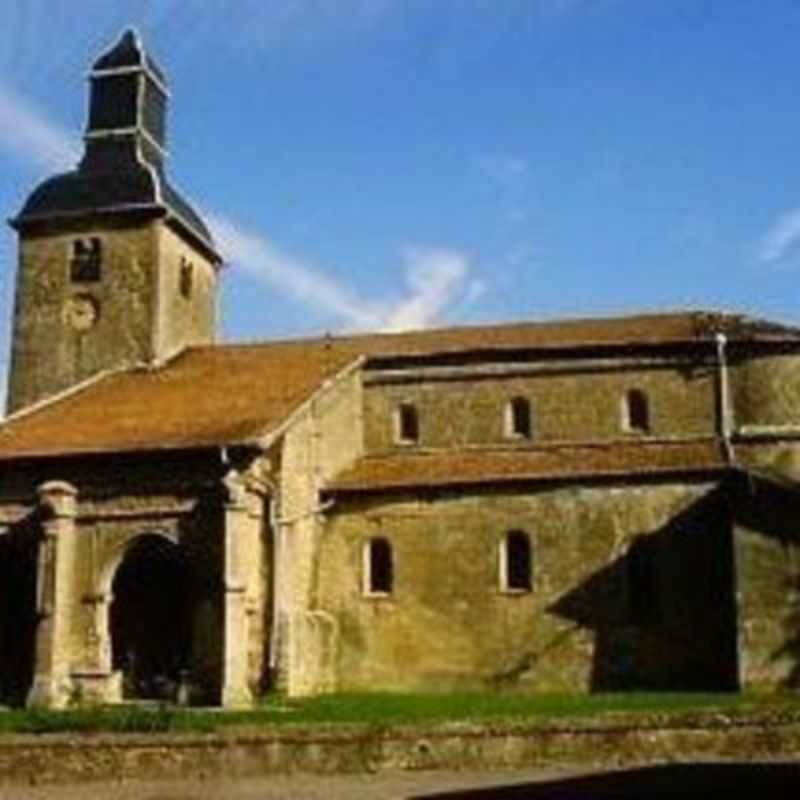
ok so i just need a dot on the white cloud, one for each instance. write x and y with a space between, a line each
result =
782 239
436 277
258 256
27 134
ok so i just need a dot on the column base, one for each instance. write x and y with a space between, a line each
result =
235 697
49 691
97 687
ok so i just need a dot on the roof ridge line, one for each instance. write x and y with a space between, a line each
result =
694 312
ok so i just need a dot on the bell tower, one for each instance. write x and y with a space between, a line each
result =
115 268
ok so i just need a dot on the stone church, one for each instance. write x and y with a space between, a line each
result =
572 506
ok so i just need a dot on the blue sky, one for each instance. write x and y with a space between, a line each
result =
394 163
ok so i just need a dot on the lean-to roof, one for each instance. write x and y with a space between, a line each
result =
398 471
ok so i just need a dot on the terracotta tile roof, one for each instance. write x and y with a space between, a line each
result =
449 468
225 394
205 396
640 329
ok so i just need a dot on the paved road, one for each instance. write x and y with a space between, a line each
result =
700 781
394 786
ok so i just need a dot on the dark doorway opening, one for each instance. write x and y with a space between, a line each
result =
18 557
150 619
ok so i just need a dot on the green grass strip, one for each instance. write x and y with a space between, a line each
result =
387 709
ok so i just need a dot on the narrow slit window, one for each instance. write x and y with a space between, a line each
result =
517 562
407 423
86 260
637 411
518 418
379 567
186 280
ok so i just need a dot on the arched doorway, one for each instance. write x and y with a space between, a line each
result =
150 618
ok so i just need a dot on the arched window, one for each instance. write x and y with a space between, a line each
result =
636 411
407 424
516 562
518 418
378 567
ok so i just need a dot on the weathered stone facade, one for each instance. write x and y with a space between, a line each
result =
191 503
571 506
574 631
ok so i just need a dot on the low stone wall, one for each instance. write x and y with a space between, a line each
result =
242 753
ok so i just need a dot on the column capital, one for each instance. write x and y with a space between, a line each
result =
241 492
58 498
235 490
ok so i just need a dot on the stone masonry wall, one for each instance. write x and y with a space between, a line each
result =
183 320
767 551
323 438
50 352
574 405
766 391
573 744
448 623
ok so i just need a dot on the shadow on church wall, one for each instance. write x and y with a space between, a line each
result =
200 539
767 535
663 615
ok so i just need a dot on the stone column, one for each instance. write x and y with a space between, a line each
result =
239 548
51 681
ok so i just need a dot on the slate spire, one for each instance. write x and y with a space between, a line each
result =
122 171
128 100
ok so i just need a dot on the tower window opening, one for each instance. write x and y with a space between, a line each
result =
407 424
518 418
378 567
636 411
186 278
86 261
516 562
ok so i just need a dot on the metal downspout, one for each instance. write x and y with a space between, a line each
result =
726 420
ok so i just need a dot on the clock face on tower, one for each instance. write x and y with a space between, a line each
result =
81 312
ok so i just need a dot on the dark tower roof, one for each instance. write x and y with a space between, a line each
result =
122 170
128 52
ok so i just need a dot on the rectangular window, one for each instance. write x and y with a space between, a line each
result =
378 567
86 262
186 278
636 412
516 563
407 424
518 418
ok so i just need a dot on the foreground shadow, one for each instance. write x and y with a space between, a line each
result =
761 781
